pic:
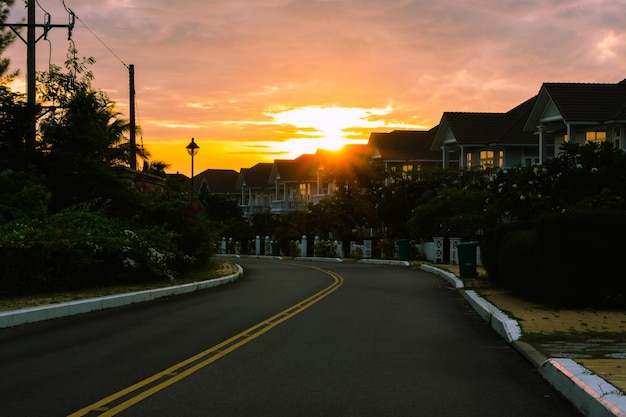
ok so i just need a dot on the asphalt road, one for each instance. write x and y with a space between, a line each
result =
289 339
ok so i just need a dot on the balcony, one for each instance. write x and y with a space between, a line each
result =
281 206
251 210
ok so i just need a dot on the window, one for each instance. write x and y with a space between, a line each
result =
469 160
595 136
486 159
491 159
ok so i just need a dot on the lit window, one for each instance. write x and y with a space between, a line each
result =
599 136
469 160
487 159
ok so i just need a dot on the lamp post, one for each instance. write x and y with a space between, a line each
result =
192 149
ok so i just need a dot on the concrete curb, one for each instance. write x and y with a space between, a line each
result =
592 395
383 262
499 321
448 276
34 314
316 259
588 392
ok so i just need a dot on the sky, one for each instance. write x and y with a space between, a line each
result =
257 80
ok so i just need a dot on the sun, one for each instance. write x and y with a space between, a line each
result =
311 128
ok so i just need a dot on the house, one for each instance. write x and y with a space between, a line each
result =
217 182
256 191
338 168
294 182
577 113
402 152
486 140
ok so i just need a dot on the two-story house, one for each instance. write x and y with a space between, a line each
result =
578 113
486 140
256 191
294 182
402 153
533 131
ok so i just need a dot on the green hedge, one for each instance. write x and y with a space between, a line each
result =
567 260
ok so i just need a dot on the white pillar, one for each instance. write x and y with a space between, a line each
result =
438 249
303 246
454 254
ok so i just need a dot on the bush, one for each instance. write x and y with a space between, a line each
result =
325 249
78 248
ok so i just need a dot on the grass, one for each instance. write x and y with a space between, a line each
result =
216 269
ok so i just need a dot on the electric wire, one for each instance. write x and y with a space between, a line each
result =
101 41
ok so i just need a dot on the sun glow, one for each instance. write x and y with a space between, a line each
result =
330 128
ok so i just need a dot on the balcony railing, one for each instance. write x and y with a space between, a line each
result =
281 206
252 210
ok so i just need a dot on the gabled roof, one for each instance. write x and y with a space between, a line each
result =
403 145
256 176
582 103
486 129
219 181
300 169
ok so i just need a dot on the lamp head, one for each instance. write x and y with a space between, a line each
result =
192 148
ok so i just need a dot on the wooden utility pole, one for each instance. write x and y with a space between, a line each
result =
133 141
31 42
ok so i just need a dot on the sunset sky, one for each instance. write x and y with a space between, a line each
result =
258 80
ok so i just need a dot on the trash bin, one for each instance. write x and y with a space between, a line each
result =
275 249
403 249
467 259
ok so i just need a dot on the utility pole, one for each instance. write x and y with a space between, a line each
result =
31 42
133 141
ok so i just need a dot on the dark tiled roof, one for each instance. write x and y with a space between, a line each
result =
299 169
404 145
256 176
219 181
488 129
474 128
588 102
512 131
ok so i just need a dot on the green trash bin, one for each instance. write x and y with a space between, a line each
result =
467 259
275 249
403 249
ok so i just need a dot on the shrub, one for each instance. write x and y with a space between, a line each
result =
325 249
78 248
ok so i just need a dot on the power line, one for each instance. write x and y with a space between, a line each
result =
101 41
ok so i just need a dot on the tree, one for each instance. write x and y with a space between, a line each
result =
82 136
7 37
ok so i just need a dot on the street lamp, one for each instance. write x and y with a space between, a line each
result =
192 149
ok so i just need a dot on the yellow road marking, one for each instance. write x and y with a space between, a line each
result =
173 374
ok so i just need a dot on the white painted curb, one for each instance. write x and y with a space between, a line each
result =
448 276
383 262
316 259
592 395
499 321
33 314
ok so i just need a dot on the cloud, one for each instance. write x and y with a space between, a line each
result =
213 70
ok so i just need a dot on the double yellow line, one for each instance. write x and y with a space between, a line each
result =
130 396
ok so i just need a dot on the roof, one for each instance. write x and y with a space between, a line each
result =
256 176
486 129
581 102
404 145
219 181
294 170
